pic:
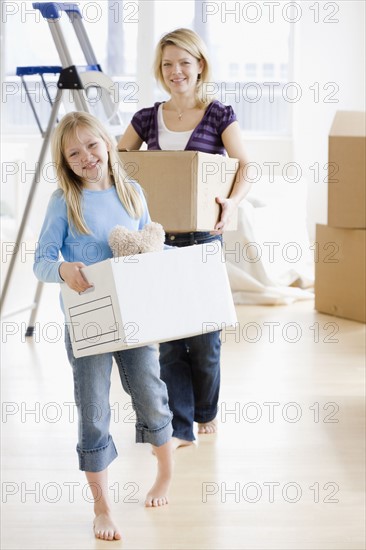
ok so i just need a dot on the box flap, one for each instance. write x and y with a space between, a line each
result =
216 178
349 124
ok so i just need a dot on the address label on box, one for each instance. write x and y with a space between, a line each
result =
82 319
150 298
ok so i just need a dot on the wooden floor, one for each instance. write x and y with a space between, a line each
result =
284 471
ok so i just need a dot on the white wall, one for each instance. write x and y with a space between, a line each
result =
325 53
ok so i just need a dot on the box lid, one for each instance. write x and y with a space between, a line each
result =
349 123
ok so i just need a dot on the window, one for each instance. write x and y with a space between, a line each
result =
112 30
250 70
268 70
233 70
249 50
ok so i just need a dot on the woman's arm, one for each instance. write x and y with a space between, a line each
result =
130 141
233 143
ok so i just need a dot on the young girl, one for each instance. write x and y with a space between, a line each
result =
94 196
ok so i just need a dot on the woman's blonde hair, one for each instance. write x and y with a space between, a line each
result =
72 185
188 40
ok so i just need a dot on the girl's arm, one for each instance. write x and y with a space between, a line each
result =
49 266
48 256
233 143
130 141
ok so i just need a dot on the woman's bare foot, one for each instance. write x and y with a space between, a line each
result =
104 528
158 494
176 442
208 427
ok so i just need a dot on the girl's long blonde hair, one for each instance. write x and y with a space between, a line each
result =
72 185
188 40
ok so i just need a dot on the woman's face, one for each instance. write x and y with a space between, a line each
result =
180 70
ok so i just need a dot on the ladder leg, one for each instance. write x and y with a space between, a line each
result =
80 101
37 298
83 38
32 106
31 195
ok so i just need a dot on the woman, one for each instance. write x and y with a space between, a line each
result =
190 120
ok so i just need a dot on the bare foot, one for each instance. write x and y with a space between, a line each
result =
176 442
104 528
208 427
158 494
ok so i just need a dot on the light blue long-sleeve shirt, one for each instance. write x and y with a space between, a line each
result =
102 212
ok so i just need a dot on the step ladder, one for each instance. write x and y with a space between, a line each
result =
78 81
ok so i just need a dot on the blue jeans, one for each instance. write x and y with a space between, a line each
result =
190 367
139 373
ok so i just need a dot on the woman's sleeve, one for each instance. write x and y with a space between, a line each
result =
228 116
48 256
143 123
138 126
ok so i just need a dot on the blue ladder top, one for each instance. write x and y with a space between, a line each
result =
29 71
22 71
52 10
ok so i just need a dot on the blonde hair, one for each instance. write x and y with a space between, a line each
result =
72 184
188 40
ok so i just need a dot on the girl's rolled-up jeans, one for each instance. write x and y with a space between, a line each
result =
139 372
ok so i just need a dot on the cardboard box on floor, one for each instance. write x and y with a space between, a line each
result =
181 186
340 274
346 170
149 298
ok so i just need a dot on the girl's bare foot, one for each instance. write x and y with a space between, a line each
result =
208 427
104 528
158 494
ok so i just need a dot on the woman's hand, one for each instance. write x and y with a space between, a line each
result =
71 273
228 207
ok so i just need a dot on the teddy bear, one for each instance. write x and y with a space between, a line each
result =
124 242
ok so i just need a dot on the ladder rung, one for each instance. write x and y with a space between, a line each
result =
86 68
23 71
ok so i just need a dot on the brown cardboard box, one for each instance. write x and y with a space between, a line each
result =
340 274
181 186
346 170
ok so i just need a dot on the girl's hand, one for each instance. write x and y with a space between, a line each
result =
227 208
71 273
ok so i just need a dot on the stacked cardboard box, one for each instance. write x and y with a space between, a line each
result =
340 274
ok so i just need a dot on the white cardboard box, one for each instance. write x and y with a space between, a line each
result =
149 298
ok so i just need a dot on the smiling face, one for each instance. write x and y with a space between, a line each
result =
180 70
87 156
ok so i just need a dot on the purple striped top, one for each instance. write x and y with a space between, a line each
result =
206 137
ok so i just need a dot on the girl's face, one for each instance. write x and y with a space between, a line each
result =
87 156
180 70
